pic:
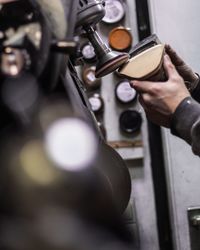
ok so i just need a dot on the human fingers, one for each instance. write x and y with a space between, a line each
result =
142 86
169 68
142 102
147 101
182 68
151 113
176 60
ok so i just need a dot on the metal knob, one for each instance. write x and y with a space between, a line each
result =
107 60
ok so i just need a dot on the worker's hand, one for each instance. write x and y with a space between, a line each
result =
160 99
190 78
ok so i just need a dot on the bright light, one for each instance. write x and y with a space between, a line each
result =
71 144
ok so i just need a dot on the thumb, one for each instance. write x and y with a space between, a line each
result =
169 67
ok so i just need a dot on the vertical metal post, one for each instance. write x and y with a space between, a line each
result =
156 149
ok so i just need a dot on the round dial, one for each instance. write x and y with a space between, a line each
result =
130 121
91 82
96 103
124 93
88 52
120 38
114 11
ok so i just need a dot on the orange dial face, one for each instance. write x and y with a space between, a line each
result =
120 39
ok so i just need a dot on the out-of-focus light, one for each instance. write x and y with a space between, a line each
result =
35 164
71 144
1 33
12 62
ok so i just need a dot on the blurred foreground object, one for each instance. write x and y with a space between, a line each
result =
58 178
55 195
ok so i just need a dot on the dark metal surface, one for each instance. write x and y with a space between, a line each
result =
116 173
90 12
194 227
108 162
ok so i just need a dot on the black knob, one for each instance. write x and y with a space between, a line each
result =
130 121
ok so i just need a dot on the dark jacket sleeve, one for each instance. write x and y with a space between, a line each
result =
186 123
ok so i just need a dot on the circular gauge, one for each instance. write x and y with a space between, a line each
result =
120 39
91 82
124 93
88 52
96 103
114 11
130 121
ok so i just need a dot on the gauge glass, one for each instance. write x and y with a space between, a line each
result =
120 38
114 11
96 103
91 76
125 93
91 82
88 51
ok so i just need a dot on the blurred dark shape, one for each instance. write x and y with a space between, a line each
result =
48 205
59 229
26 29
20 94
45 204
81 200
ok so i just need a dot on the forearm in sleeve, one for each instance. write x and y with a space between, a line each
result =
196 90
186 123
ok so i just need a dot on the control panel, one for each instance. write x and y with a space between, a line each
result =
121 118
112 99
